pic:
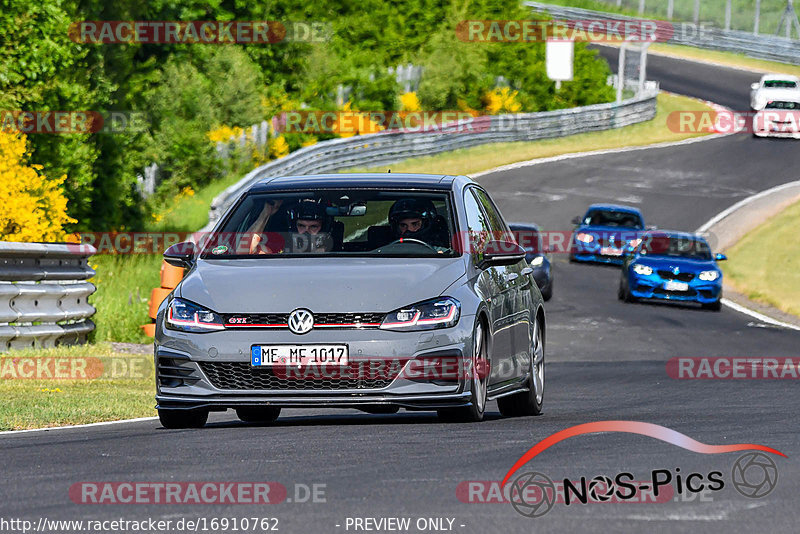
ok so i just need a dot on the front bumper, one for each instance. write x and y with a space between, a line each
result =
597 258
652 287
190 369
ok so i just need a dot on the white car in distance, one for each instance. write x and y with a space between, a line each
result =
774 87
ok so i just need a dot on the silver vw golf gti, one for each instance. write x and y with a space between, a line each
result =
368 291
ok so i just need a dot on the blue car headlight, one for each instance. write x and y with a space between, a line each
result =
708 276
190 317
431 314
644 270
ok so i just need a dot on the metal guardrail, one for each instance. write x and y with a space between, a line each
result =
392 146
44 294
760 46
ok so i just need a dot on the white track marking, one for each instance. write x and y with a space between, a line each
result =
754 314
718 217
88 425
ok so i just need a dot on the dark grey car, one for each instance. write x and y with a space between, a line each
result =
370 291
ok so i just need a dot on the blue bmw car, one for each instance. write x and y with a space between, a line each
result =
603 232
674 266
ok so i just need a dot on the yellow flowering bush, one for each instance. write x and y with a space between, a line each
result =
223 134
501 100
32 206
410 102
278 147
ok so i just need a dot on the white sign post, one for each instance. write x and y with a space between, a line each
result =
560 57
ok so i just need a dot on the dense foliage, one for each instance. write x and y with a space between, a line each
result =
191 91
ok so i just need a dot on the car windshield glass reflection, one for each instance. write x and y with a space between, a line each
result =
680 247
613 218
360 223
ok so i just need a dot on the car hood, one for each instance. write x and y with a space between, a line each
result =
683 265
325 285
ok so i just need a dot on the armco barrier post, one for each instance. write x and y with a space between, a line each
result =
44 292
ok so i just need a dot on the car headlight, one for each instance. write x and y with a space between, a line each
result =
708 276
584 238
538 260
436 313
190 317
645 270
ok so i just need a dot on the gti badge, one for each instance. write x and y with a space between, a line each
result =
301 321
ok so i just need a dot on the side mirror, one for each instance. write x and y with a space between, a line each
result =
576 221
754 86
180 254
502 253
720 257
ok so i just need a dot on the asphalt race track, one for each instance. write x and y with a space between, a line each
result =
607 361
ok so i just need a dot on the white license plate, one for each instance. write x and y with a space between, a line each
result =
675 286
610 251
269 355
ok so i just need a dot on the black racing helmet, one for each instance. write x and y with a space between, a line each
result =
309 210
413 208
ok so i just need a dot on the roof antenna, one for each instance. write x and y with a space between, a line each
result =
389 171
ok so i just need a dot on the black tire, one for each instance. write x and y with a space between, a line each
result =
479 380
713 306
258 414
624 292
547 291
183 418
528 402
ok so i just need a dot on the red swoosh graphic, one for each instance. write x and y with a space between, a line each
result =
633 427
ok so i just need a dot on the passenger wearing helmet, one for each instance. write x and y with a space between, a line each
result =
311 227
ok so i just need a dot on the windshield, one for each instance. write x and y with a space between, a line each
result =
337 222
613 218
782 105
780 84
676 247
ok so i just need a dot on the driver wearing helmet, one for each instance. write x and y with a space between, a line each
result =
412 218
310 226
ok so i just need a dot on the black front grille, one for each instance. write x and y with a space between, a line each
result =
688 293
373 374
348 318
682 277
281 320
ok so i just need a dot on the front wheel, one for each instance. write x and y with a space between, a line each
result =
713 306
547 291
183 418
478 375
528 402
624 291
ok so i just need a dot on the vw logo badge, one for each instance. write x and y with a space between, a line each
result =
301 321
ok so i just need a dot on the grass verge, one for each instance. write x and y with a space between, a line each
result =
765 264
124 283
484 157
113 386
